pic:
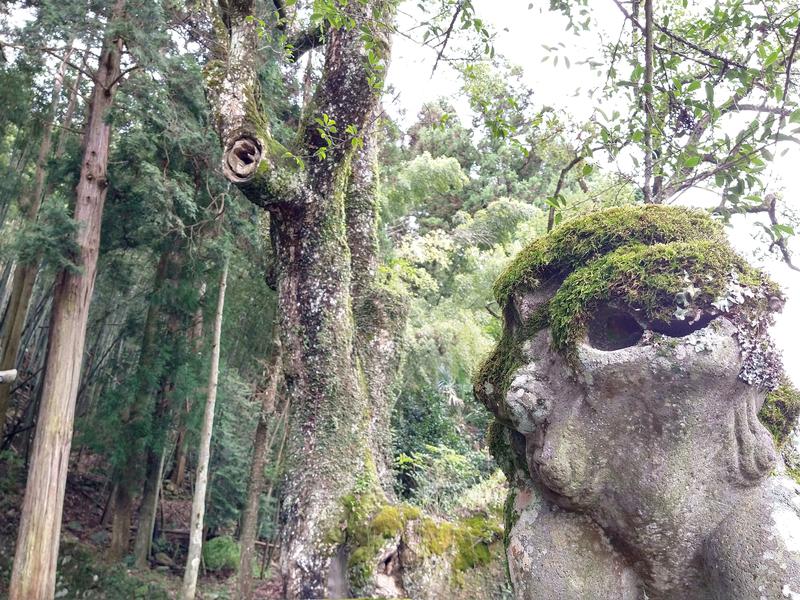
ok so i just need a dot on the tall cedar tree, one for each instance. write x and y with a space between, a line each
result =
34 573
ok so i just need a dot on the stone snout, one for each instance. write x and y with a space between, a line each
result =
544 405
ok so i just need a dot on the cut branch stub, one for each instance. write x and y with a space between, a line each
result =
242 159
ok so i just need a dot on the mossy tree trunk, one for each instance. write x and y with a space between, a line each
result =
34 571
329 448
379 312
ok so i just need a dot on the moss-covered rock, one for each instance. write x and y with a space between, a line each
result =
669 267
473 537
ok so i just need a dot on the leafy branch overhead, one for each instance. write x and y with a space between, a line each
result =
709 107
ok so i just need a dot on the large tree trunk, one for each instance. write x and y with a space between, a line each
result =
329 449
25 272
33 575
262 442
204 453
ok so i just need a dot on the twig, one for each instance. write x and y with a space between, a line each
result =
447 35
551 216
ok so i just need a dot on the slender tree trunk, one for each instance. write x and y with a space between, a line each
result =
648 101
160 425
125 475
33 575
25 273
182 441
255 483
201 480
181 449
149 508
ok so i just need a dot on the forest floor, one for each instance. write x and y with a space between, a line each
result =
83 568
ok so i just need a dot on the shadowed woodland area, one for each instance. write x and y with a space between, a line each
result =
270 331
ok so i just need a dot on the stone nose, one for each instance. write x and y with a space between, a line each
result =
559 455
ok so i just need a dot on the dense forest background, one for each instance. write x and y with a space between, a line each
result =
701 97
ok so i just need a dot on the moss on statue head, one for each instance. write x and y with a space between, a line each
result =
580 240
659 283
780 411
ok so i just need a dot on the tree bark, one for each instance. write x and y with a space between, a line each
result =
328 446
379 313
33 575
181 448
25 272
201 480
255 483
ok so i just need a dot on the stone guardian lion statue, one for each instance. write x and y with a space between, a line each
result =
634 361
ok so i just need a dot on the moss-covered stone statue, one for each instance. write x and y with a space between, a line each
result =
627 385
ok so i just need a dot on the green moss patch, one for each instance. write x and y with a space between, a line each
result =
780 411
655 281
580 240
473 538
370 524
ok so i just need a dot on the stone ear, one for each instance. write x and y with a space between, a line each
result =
755 452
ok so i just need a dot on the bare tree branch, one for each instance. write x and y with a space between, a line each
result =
447 34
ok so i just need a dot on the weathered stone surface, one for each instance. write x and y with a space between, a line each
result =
645 472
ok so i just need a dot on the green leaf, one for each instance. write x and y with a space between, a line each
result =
771 58
692 161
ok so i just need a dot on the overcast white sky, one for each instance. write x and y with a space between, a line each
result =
521 35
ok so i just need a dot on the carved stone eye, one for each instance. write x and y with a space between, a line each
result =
613 329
